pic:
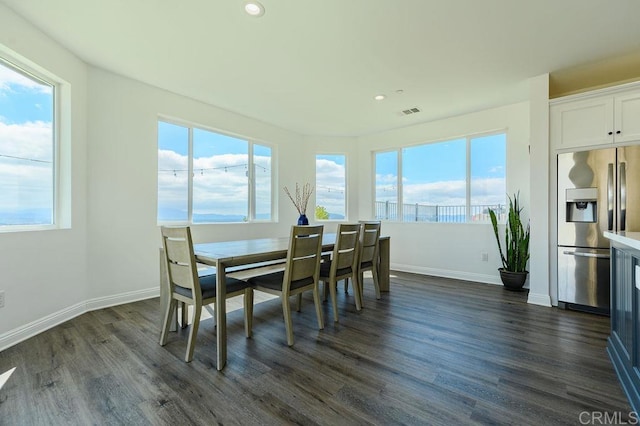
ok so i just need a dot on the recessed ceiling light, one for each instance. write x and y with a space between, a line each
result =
379 97
254 8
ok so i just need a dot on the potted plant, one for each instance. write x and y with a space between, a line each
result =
514 264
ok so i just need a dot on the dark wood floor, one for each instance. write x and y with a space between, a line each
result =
433 351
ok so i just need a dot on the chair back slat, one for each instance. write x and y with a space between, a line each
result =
346 248
369 241
178 249
303 257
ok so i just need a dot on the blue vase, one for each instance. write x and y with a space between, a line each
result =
302 220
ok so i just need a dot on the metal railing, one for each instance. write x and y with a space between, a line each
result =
388 210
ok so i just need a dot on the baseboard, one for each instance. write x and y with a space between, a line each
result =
447 273
121 299
33 328
533 298
539 299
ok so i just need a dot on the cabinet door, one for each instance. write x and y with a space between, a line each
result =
622 290
627 117
582 123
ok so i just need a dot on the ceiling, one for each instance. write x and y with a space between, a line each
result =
313 67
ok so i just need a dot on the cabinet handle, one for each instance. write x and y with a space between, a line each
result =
610 196
618 132
580 254
622 220
610 133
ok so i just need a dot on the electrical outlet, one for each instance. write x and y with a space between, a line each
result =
484 256
2 299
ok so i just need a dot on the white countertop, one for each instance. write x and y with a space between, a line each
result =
631 239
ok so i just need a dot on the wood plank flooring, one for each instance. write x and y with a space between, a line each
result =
432 351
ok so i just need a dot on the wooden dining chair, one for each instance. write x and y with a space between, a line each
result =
301 272
343 264
368 259
188 288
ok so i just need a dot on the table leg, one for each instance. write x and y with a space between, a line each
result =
384 251
221 316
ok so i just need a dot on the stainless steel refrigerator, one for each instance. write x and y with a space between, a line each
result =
598 190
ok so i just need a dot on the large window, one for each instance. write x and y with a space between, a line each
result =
387 185
450 181
27 149
208 177
330 187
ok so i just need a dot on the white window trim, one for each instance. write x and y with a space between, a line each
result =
400 198
251 142
61 94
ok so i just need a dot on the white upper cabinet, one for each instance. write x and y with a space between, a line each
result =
595 120
627 117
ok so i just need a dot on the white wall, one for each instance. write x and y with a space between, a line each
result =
46 272
446 249
541 292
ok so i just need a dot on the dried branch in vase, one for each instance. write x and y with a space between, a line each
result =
301 198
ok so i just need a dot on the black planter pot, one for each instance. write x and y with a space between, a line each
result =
513 281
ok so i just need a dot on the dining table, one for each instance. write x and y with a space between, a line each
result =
238 255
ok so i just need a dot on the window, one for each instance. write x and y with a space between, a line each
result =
208 177
27 149
386 185
450 181
330 187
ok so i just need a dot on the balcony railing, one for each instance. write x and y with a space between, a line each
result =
388 210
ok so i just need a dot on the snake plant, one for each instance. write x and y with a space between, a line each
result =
516 238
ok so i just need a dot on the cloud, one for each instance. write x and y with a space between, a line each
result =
33 140
485 191
330 186
220 182
25 183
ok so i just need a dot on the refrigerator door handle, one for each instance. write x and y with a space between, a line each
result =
580 254
610 195
623 196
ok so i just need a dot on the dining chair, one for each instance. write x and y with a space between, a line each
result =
368 259
188 288
343 264
300 274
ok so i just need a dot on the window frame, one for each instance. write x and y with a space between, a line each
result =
251 186
400 192
60 208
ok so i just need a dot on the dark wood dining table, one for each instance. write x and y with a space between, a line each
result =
255 252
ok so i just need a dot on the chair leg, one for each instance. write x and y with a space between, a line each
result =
334 300
191 344
357 294
166 324
376 282
185 315
346 286
361 284
286 310
325 291
248 312
299 307
316 301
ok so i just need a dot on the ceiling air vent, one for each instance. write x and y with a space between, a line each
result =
410 111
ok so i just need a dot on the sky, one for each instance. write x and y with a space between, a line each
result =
435 173
26 149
